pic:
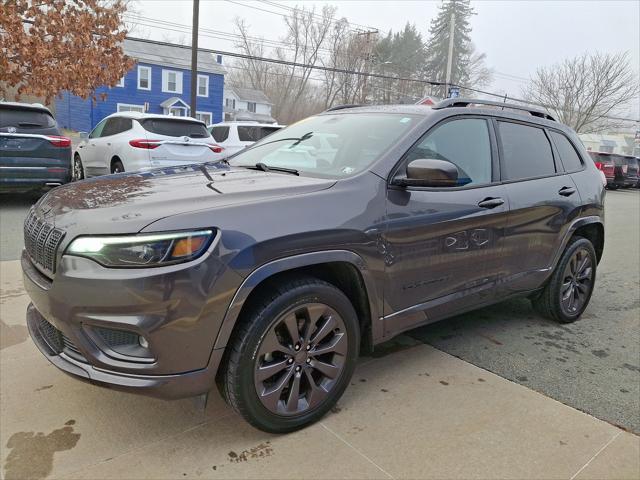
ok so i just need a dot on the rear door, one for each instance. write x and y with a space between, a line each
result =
31 149
180 141
543 201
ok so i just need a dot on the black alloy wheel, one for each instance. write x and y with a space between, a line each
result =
568 291
292 354
577 282
300 359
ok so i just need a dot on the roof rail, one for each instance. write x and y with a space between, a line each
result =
465 102
342 107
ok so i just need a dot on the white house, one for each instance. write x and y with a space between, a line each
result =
242 104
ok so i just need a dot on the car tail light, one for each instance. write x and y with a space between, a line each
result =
58 141
144 143
599 165
216 148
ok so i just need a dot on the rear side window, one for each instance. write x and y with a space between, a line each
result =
252 133
25 118
465 143
526 152
220 134
568 155
175 128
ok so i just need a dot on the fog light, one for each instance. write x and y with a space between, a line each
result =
143 342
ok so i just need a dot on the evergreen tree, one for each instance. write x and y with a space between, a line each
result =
438 45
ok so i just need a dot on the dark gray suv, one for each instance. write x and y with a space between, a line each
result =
269 273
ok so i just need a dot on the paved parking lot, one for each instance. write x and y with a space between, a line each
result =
412 410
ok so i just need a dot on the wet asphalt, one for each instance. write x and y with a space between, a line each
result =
592 365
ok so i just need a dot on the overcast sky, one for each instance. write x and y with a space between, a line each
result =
517 36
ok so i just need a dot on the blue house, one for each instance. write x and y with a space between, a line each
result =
158 83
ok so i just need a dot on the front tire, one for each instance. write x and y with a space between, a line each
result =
293 355
569 290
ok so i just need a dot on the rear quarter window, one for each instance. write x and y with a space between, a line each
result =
251 133
175 128
526 152
568 155
220 134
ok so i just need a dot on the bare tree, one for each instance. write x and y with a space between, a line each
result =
582 91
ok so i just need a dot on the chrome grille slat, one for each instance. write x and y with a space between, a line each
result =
41 240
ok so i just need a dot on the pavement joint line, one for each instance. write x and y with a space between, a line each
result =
146 445
596 454
357 451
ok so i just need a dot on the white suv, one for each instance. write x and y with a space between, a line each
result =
234 136
130 141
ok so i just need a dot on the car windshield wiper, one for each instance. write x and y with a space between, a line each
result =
29 124
266 168
295 140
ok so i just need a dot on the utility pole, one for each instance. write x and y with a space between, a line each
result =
194 57
368 61
452 29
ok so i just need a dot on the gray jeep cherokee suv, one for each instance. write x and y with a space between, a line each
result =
267 274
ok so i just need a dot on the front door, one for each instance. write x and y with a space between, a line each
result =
442 246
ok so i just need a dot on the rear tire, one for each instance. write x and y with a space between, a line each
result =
267 373
569 289
117 166
78 169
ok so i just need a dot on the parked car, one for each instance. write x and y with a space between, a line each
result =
235 136
604 162
131 141
33 154
268 274
621 170
632 177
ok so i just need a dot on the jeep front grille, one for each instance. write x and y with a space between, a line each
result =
41 240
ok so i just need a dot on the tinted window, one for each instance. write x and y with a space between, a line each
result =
110 128
526 152
601 158
465 143
24 118
254 133
175 128
220 134
568 154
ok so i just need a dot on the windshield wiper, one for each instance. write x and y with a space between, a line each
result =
266 168
296 140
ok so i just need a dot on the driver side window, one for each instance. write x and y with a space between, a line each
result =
97 131
465 143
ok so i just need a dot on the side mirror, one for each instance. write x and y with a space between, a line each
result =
429 172
83 135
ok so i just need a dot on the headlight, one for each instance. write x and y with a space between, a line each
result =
147 250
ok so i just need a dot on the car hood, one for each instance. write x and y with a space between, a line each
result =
128 202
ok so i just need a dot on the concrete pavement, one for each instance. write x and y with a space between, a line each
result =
412 411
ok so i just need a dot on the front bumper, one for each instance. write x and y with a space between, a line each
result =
162 386
178 309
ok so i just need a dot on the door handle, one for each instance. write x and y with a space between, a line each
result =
566 191
491 202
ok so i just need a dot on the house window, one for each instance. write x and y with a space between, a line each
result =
171 81
144 78
203 85
120 82
230 103
251 106
177 112
204 117
127 107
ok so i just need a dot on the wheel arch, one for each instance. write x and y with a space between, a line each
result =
344 269
115 158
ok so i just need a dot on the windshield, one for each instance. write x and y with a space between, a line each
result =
332 146
25 117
